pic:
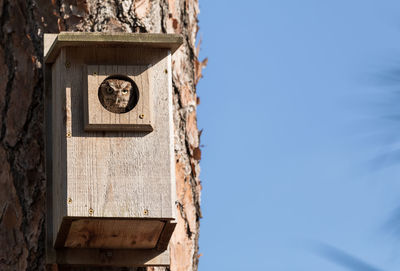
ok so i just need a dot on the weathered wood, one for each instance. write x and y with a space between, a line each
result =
119 174
109 257
103 179
165 236
97 118
114 233
58 138
48 42
70 39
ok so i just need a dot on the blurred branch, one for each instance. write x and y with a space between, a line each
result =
342 258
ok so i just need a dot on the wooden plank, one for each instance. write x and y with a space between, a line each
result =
49 156
104 257
171 135
77 39
99 118
110 71
146 106
89 102
62 234
165 235
48 41
142 90
55 157
114 233
105 116
121 70
59 135
132 73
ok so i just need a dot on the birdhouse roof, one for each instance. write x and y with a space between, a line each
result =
84 39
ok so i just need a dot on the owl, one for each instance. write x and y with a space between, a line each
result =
116 95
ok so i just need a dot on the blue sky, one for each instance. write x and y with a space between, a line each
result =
300 106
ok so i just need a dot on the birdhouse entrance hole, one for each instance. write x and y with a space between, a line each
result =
118 94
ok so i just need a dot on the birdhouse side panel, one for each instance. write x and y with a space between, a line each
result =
59 137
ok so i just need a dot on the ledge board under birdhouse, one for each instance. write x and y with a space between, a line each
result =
109 148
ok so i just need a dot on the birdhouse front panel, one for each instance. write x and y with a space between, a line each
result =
117 174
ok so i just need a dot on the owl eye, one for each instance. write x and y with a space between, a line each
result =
124 91
109 90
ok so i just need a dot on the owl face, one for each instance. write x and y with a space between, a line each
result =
115 95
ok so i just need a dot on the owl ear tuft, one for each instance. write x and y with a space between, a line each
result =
124 84
104 84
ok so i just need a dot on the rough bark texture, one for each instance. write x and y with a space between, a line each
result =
22 177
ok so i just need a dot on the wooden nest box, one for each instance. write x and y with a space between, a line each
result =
109 148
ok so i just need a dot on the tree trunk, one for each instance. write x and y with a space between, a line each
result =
22 176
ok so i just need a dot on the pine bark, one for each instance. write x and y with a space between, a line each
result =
22 172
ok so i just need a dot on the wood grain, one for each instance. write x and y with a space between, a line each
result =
98 118
101 179
108 257
119 174
59 141
79 39
114 234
